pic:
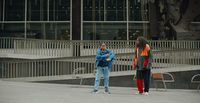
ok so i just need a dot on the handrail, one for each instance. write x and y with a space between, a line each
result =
61 48
65 56
67 66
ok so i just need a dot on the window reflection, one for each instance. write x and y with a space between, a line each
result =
138 29
1 10
37 24
37 10
50 31
104 31
113 14
138 10
14 10
12 30
104 10
59 10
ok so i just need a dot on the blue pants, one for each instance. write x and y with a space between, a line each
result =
102 71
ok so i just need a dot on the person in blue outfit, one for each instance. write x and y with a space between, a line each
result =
104 59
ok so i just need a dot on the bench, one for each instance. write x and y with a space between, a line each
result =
196 80
163 78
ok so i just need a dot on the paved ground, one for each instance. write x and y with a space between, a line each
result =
18 92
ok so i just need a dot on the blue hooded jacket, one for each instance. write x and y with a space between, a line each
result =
102 56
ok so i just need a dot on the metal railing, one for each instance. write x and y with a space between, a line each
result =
7 44
66 66
54 48
81 54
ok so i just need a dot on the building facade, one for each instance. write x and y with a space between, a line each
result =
88 19
74 19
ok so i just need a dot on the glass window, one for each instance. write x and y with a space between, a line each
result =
87 10
35 30
37 10
104 31
104 10
14 10
59 10
138 29
116 10
138 10
1 10
58 31
12 30
50 29
93 10
121 10
1 30
53 31
63 31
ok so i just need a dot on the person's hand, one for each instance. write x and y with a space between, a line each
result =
133 67
144 68
107 55
108 59
146 62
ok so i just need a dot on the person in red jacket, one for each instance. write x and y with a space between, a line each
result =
142 64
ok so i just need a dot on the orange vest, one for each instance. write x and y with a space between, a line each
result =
144 53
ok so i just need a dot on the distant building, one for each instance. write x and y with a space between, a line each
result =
82 19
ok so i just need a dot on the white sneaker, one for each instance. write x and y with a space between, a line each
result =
146 93
137 93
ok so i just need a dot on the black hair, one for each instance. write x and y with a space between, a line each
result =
142 41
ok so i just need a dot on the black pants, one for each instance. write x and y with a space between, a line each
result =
144 75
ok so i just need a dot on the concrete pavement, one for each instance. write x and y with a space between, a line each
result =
23 92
